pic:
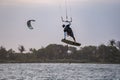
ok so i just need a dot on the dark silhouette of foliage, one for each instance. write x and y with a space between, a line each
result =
3 53
21 48
60 53
112 42
118 44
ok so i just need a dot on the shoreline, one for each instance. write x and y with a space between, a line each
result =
54 61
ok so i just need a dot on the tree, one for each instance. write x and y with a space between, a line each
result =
21 48
118 44
3 52
11 51
102 52
32 50
54 51
112 42
89 52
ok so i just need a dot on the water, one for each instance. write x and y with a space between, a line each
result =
59 71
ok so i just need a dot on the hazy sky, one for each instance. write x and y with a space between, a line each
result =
94 22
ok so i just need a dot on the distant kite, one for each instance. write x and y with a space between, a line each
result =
29 24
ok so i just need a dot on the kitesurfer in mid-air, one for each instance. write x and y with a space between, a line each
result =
67 29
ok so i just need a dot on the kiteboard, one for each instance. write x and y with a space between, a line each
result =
71 42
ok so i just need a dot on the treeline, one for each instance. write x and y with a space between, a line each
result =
59 53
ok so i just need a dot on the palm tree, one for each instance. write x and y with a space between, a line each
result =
112 42
21 48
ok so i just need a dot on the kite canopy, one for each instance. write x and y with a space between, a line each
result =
29 24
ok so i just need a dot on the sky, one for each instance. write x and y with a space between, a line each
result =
95 22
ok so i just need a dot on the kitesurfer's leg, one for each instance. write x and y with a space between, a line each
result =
72 35
74 39
65 33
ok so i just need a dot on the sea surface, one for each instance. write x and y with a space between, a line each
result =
59 71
